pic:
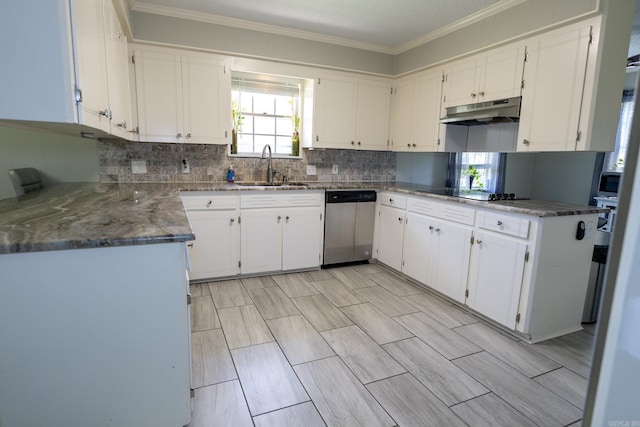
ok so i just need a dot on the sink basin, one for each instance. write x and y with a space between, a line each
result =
270 184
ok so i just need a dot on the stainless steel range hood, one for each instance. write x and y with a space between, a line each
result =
484 113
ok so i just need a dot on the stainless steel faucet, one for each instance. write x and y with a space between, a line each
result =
269 167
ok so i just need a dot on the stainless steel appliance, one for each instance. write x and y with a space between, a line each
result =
609 183
348 226
483 113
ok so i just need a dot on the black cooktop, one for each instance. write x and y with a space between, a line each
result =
488 197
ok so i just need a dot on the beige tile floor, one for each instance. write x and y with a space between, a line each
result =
360 346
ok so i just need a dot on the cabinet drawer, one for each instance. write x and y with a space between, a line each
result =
393 199
265 199
422 206
505 224
457 213
204 201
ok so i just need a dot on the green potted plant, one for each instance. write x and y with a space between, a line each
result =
236 126
295 139
473 174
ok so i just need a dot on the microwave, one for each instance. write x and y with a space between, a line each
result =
609 184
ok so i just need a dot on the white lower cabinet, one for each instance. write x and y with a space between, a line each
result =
214 220
495 279
281 232
524 272
390 235
451 247
261 240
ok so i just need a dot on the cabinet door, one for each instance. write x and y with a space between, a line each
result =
334 115
301 236
500 73
216 250
495 277
390 236
417 249
460 84
261 247
118 74
206 114
91 62
552 95
372 114
452 247
403 115
427 123
159 93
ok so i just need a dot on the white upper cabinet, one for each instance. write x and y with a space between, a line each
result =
351 112
415 118
553 86
492 75
71 71
182 98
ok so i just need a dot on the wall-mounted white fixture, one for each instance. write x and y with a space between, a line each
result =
185 165
138 166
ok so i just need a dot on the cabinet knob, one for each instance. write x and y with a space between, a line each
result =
286 217
178 135
481 94
437 230
210 202
106 113
499 223
122 125
352 142
279 217
473 95
525 142
431 227
400 219
233 220
190 244
390 200
409 145
478 241
413 145
188 135
358 142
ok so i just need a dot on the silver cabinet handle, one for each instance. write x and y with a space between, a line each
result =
106 113
188 135
473 95
437 230
400 219
409 145
233 219
279 218
390 200
478 241
178 135
431 227
358 142
190 244
287 217
525 142
499 223
413 145
122 125
352 142
481 94
210 202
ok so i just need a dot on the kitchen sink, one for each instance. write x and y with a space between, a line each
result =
270 184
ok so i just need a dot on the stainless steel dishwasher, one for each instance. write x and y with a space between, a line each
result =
348 226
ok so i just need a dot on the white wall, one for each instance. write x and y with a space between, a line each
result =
422 168
563 177
59 158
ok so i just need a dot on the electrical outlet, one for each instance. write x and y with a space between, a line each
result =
138 166
185 166
334 170
311 169
591 229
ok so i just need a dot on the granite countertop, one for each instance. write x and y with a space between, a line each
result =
92 215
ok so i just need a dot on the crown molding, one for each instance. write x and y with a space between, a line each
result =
500 6
494 9
254 26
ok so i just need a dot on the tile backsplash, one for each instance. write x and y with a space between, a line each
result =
210 163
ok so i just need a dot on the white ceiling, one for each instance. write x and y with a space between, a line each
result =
389 26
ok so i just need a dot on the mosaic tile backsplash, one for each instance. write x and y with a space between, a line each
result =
211 162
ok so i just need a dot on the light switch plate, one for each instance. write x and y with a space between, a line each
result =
138 166
334 170
311 169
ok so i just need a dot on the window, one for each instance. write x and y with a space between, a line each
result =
485 168
614 161
265 111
